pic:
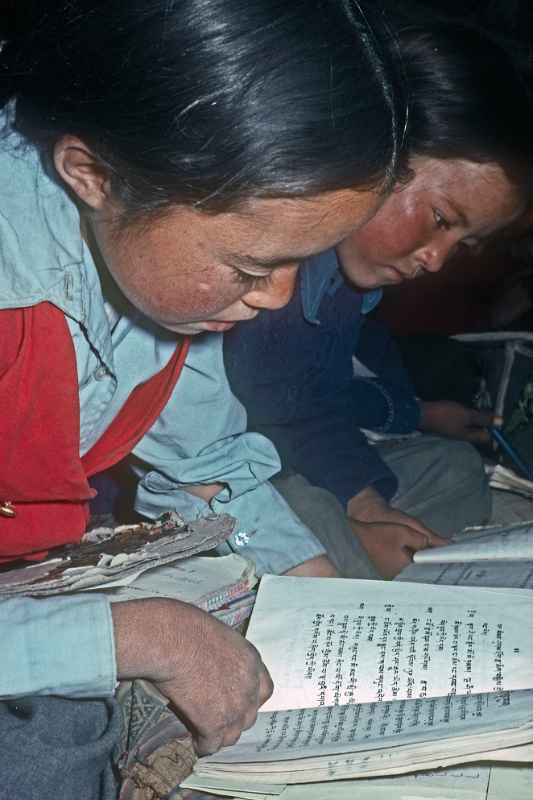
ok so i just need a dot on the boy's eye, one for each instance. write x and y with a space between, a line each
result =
440 220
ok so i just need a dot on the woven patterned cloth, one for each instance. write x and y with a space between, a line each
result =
156 751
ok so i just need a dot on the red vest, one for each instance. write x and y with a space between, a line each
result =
44 491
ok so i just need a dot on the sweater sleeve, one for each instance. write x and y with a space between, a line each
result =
296 382
383 396
332 453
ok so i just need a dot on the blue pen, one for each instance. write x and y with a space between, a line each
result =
505 445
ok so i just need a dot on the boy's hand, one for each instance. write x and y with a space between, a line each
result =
456 421
390 537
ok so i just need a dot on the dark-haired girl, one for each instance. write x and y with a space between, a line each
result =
165 165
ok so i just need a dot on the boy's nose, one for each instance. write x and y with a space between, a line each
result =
433 257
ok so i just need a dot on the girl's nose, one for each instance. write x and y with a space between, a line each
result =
275 292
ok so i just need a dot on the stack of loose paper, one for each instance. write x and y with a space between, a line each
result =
220 585
375 679
134 562
106 555
507 480
496 556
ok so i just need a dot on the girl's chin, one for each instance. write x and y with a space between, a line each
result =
194 328
216 327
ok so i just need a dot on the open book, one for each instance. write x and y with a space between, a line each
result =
376 679
497 557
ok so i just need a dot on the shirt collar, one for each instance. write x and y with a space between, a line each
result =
321 275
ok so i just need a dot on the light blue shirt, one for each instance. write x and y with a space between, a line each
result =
57 646
199 438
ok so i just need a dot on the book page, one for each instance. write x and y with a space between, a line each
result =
466 783
330 641
514 783
476 782
234 787
504 544
429 724
516 574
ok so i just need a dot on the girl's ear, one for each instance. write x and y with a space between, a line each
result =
83 173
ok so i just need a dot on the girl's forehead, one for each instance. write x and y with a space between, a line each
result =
264 227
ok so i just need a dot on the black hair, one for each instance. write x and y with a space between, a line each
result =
467 99
208 102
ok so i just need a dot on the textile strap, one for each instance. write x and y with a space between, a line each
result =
44 491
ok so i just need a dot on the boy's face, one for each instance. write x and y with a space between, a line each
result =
421 224
190 271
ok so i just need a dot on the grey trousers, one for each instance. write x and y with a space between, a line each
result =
58 749
440 481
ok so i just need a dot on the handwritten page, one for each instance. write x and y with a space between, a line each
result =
332 642
516 574
508 544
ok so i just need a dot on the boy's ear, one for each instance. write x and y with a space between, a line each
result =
83 173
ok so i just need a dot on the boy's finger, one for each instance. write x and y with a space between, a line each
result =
478 436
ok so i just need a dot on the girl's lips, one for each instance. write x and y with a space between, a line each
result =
217 327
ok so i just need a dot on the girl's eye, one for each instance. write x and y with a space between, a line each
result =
251 281
440 220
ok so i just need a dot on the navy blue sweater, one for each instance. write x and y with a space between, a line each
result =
293 371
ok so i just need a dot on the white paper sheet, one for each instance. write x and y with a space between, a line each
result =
502 545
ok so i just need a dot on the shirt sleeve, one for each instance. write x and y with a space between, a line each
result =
200 438
58 645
